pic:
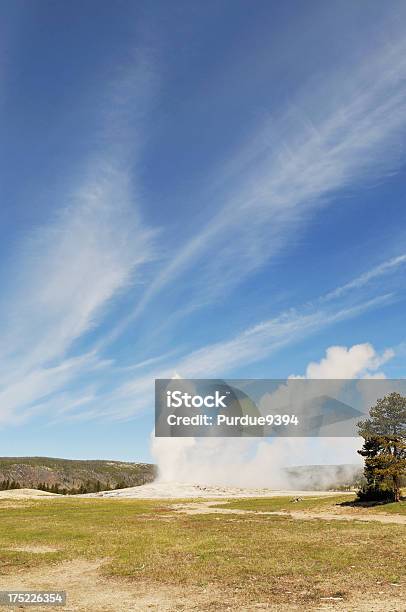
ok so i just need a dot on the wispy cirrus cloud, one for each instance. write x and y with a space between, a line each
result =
219 359
64 281
386 267
260 341
69 269
28 392
342 130
255 344
129 393
64 274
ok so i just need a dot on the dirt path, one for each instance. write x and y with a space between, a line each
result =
89 591
208 507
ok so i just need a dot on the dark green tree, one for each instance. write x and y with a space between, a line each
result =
384 447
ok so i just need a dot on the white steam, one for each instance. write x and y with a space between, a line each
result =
256 462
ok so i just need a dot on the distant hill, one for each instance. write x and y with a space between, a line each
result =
324 477
72 476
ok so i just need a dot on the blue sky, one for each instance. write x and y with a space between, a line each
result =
202 189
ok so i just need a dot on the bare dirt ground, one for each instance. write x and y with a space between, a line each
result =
208 507
37 549
89 591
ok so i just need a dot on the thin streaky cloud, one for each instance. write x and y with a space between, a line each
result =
72 282
391 265
250 346
148 362
257 342
66 273
219 359
70 269
282 178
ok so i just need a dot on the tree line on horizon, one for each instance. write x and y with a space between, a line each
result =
6 485
60 489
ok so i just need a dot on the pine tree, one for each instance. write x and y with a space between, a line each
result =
384 448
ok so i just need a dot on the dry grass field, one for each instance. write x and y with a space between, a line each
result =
247 554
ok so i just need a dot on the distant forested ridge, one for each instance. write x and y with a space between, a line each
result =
72 476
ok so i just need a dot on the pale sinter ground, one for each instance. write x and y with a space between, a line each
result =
180 490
